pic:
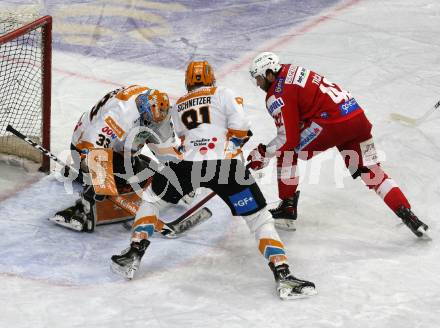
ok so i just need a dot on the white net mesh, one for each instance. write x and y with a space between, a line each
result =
20 86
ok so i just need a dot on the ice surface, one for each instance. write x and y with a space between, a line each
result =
370 271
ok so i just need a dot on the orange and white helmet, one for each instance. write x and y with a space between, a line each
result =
199 73
153 105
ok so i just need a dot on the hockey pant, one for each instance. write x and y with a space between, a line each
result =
355 143
244 199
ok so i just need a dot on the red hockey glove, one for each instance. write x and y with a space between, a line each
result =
258 158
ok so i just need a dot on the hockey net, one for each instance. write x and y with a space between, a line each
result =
25 85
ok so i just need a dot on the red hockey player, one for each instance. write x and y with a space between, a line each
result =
312 115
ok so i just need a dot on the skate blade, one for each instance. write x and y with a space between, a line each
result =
61 221
285 224
127 273
421 233
287 294
170 235
425 235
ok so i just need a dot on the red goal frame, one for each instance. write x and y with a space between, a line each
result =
45 23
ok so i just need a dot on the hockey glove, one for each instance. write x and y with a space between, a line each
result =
258 158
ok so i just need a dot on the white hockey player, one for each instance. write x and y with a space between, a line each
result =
212 126
118 125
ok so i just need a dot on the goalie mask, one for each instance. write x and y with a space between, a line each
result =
153 106
199 73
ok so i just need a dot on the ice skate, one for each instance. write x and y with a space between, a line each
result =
288 286
72 217
286 213
412 221
127 263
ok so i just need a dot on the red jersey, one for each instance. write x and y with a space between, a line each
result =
298 96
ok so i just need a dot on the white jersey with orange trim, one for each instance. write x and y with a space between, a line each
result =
115 122
207 120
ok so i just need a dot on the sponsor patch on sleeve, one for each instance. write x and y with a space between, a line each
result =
114 126
308 135
274 104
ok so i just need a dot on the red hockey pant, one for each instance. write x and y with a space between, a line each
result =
354 141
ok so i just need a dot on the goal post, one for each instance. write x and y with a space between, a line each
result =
25 85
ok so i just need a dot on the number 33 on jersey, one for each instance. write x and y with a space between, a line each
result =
210 122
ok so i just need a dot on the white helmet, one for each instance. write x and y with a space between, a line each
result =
263 62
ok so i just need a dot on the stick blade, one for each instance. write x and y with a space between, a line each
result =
403 119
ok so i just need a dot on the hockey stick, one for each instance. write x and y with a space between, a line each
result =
188 219
118 200
129 206
183 221
45 152
414 121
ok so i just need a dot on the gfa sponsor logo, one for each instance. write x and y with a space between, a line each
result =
276 104
243 202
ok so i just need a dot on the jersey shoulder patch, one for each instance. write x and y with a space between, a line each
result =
130 91
297 75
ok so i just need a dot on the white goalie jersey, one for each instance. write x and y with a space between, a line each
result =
115 122
210 121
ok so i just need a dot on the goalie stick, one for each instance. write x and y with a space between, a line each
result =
414 121
183 223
